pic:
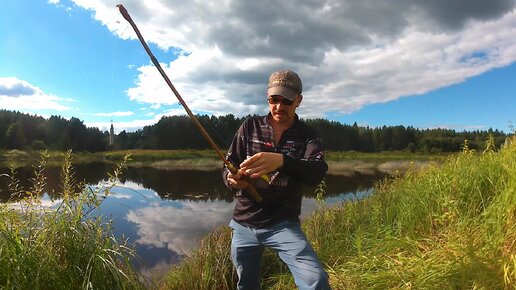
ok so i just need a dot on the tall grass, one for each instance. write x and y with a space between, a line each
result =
153 155
68 246
448 226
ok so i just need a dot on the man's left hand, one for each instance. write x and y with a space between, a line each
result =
261 163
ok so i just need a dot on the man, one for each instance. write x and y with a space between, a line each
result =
288 152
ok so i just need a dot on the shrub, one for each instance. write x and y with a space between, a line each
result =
62 247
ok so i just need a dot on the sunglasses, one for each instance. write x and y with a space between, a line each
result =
275 100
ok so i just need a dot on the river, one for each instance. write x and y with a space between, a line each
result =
166 212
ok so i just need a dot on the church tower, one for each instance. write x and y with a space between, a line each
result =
111 135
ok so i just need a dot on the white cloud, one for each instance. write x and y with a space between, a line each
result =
459 127
128 126
115 114
349 53
16 94
134 125
178 229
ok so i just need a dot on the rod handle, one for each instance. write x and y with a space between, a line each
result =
249 188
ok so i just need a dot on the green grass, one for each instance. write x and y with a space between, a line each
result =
382 156
340 163
139 155
153 155
169 159
53 158
165 159
67 247
448 226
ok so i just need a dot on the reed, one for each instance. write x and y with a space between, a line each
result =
153 155
209 267
451 226
447 226
66 246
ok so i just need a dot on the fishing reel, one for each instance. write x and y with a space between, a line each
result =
261 182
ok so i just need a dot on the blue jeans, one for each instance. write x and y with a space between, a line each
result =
292 246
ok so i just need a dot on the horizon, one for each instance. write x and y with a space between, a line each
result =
421 65
303 119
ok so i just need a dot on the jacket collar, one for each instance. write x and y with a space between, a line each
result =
266 120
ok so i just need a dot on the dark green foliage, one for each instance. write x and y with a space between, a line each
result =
20 131
24 131
14 137
342 137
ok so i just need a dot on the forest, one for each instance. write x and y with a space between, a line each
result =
31 132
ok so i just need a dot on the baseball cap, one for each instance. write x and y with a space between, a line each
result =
285 83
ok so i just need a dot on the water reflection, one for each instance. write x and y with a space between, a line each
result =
192 185
163 230
166 213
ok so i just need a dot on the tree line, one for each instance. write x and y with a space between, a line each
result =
23 131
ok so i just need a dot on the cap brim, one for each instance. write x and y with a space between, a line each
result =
282 91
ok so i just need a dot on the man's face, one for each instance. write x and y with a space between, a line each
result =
281 112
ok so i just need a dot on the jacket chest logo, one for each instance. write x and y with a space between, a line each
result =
289 144
256 140
288 147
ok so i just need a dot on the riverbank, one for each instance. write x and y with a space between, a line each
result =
451 224
340 163
62 247
447 226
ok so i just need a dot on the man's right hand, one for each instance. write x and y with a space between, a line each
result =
236 182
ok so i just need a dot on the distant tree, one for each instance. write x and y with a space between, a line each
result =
411 147
38 145
366 142
147 138
32 126
19 130
56 136
96 140
122 141
133 139
14 137
78 134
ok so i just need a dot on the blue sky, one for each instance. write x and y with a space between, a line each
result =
423 65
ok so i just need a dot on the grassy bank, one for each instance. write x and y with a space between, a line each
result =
149 156
382 156
169 159
140 155
340 163
451 226
154 155
65 246
53 158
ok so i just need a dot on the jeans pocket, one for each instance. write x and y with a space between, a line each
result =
232 223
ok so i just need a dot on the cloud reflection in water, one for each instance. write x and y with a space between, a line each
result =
163 230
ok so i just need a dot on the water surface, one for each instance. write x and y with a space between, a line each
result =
166 212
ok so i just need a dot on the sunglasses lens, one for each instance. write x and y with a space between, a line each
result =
274 100
287 102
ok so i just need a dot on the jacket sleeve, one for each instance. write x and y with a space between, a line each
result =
236 153
312 168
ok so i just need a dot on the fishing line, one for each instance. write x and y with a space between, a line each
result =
214 131
250 189
113 53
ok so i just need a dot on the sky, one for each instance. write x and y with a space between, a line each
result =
426 64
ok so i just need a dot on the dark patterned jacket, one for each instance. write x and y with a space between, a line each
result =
303 162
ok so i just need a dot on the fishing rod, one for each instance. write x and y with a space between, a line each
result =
232 168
